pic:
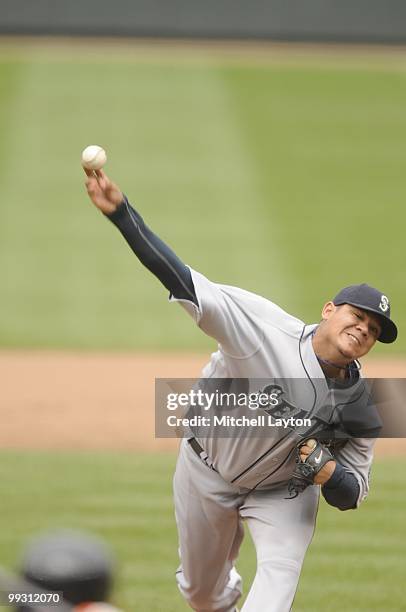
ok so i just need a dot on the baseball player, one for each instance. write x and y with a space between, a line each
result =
76 565
270 482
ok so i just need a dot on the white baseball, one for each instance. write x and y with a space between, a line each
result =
93 157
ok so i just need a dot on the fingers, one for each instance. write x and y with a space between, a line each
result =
307 448
103 180
92 185
99 175
88 172
305 452
102 191
311 443
91 181
109 188
96 181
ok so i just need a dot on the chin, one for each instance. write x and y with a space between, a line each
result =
349 352
348 356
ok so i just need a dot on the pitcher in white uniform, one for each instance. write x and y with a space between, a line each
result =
221 482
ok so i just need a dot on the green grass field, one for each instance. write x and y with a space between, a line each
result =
283 178
356 562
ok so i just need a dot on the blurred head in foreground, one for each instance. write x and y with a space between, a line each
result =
79 565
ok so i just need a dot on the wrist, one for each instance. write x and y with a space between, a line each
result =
326 473
336 478
119 210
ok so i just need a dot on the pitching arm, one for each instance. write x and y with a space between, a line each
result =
153 253
218 314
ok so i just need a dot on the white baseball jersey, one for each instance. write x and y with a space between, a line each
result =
258 340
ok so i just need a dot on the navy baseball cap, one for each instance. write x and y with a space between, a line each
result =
370 299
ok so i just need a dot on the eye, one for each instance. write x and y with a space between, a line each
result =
357 314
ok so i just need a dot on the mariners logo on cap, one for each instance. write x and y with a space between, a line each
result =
384 303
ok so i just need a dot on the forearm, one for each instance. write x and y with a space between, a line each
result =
342 489
153 253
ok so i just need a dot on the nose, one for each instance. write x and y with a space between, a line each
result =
362 326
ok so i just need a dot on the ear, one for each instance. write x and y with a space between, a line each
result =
328 310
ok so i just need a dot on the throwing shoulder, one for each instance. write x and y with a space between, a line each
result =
238 319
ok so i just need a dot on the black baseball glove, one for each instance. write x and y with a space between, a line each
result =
305 471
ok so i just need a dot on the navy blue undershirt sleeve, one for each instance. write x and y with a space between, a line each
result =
341 490
153 253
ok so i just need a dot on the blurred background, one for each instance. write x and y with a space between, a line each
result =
265 143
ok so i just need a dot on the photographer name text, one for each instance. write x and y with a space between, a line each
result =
260 420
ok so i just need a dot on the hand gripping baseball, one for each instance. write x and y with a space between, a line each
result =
308 466
102 191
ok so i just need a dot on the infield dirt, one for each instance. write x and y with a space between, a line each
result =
61 400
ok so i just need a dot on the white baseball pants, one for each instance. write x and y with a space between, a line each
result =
209 514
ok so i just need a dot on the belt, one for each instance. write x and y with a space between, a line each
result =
196 446
201 453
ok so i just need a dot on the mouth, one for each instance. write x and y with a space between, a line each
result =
354 339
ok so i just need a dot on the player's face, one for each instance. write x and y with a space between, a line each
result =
352 330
